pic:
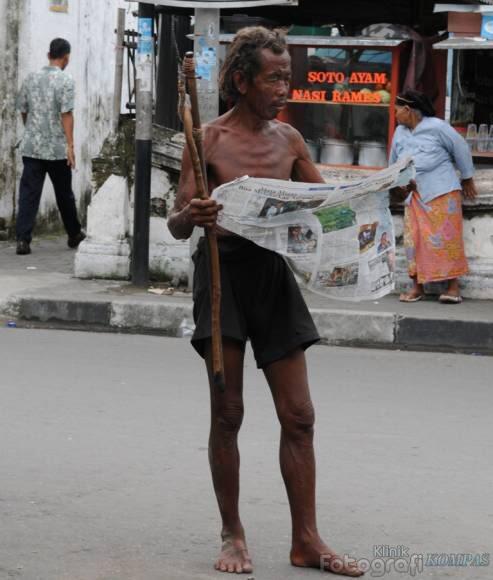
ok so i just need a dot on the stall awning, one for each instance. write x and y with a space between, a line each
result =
485 8
224 4
464 43
326 41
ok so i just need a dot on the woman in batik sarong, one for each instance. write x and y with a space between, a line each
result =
433 212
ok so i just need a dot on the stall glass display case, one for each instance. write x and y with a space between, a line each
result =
469 88
342 97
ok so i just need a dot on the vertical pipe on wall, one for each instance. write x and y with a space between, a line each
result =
117 95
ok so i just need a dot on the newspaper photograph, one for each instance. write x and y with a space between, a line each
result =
338 239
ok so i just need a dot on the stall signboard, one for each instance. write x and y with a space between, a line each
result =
345 88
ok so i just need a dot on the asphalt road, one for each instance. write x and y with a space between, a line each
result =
104 474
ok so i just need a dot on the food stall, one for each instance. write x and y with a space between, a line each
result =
469 108
470 58
470 96
342 97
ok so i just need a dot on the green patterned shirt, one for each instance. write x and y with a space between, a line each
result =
44 96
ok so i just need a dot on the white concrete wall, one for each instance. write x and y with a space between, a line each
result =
6 126
9 19
89 26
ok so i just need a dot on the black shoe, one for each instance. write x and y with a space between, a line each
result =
23 248
76 240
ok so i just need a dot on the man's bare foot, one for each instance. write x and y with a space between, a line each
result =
318 555
234 556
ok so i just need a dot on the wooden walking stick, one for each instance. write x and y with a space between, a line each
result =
190 116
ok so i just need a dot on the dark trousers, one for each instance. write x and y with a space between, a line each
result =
31 187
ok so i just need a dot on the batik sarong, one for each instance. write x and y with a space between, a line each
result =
433 238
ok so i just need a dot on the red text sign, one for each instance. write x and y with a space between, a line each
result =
355 78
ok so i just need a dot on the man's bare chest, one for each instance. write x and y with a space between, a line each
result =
233 158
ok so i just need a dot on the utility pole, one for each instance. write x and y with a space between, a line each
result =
143 145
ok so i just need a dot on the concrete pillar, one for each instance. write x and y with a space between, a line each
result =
206 49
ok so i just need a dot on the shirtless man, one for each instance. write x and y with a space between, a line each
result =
260 298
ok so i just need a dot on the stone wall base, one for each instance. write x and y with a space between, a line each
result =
168 258
105 253
103 260
478 283
478 240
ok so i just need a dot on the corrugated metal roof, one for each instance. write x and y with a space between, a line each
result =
221 3
295 40
483 8
471 2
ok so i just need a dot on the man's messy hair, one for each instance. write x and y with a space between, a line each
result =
244 55
59 47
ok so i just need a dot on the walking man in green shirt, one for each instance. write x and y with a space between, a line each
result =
46 103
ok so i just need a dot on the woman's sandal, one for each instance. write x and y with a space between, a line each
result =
449 299
411 297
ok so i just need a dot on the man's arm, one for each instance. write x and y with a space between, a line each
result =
66 98
22 102
304 169
188 211
68 128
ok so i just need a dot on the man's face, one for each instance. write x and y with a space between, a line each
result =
268 92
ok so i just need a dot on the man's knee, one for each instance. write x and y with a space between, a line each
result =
228 418
298 421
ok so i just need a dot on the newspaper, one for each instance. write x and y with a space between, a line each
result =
338 239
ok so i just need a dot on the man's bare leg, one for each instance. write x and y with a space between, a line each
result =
288 382
224 458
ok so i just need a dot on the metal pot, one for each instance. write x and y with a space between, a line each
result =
336 152
314 149
372 154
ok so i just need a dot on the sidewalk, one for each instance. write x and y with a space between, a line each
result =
40 290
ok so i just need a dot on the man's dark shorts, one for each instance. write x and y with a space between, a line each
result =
260 300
